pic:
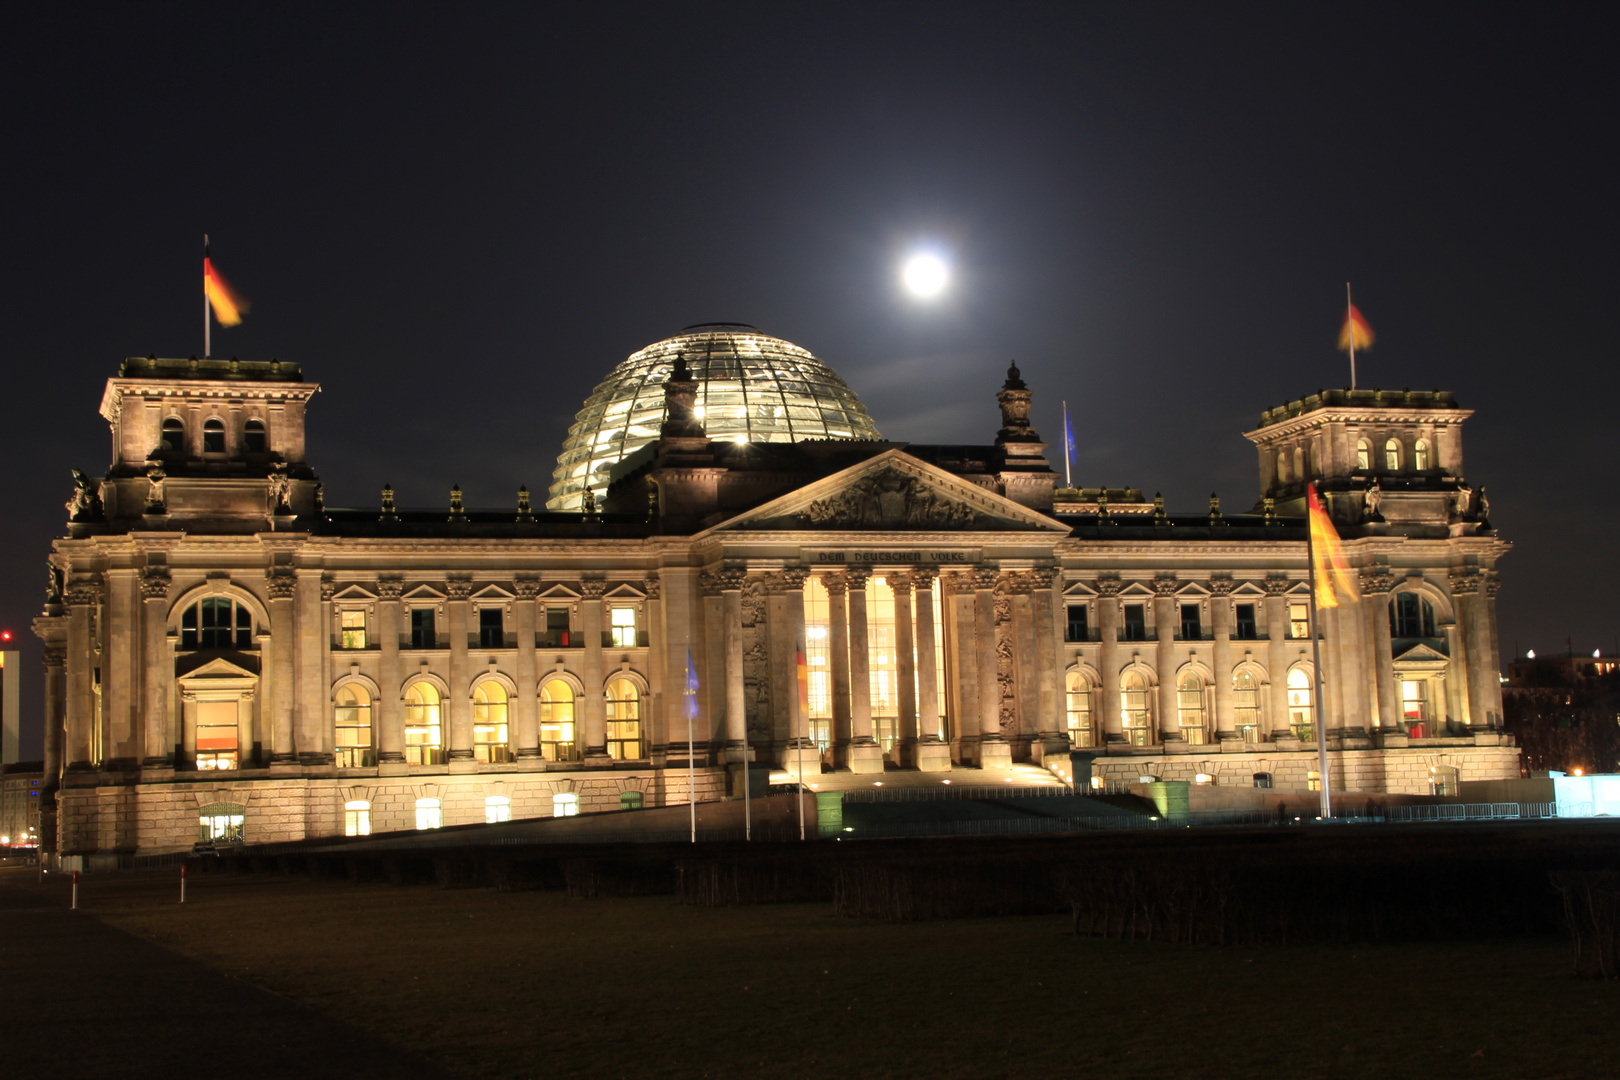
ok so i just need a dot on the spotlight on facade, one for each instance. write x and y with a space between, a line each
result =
1202 778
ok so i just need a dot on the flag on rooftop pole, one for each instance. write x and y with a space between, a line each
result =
1330 579
1068 447
1354 334
691 718
226 304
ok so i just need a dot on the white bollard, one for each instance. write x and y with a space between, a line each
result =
182 883
74 906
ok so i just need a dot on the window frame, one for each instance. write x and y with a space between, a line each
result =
361 718
213 431
492 631
351 635
620 736
494 718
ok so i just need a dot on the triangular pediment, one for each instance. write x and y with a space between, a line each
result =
1194 589
492 593
1421 654
424 592
624 591
355 592
1079 590
893 492
1249 590
560 592
219 668
1136 590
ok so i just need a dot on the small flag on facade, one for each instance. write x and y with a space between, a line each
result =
803 670
1334 578
691 686
1355 333
229 306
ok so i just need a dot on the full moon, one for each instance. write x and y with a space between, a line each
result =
925 275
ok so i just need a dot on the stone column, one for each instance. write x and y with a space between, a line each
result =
933 753
1468 593
526 705
780 664
1220 617
458 703
283 640
1166 618
590 621
1490 663
80 743
157 682
681 614
994 749
391 702
122 661
655 717
1375 589
864 754
1113 726
1051 719
1276 612
907 662
1457 666
731 584
958 607
312 635
838 651
55 661
1020 635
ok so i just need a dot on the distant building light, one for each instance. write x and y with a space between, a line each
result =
1531 655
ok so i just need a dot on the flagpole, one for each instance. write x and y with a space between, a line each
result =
1068 481
207 320
1349 315
1316 662
803 725
691 755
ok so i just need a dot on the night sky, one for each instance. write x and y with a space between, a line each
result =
459 217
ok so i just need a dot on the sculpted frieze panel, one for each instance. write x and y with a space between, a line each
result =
888 499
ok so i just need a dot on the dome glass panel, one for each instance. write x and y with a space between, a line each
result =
752 387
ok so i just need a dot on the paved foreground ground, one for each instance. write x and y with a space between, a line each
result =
83 999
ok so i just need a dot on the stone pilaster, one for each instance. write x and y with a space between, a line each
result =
731 585
655 725
81 749
1166 619
933 754
1375 590
906 662
994 749
838 650
459 701
1047 639
526 705
55 661
590 618
1113 726
1276 613
281 588
390 714
312 724
1020 634
959 612
801 748
122 665
157 681
863 754
1220 617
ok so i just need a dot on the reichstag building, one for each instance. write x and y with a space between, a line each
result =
226 656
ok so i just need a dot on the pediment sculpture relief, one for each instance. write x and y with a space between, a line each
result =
888 499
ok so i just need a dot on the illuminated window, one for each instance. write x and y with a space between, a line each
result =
1078 702
818 659
422 634
354 629
565 805
217 735
1136 709
353 728
1410 616
491 629
557 635
174 434
424 734
623 720
1190 707
630 800
1363 455
357 818
557 721
213 437
883 661
491 734
623 627
1415 707
221 822
1420 455
1246 704
497 808
1313 781
253 437
1392 455
1299 619
216 622
429 814
1300 717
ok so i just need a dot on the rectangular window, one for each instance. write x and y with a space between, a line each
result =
1415 707
497 808
1192 627
422 636
1299 619
1247 628
1079 628
357 818
491 630
557 636
429 814
1136 706
354 629
216 735
1135 622
623 627
1246 710
818 660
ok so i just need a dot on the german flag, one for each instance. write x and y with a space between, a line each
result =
1331 569
229 306
1355 333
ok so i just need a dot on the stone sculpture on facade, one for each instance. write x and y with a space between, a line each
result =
85 505
1371 499
889 498
155 503
276 491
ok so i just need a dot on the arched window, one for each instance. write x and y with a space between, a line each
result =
1410 616
565 805
253 437
1079 709
491 739
1420 455
497 808
557 721
623 720
1363 455
353 721
429 814
174 434
1246 704
1300 716
357 818
213 437
1392 455
1190 707
1136 709
424 734
216 622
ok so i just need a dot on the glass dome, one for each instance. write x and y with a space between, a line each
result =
751 388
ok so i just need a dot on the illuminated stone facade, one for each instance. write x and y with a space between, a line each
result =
226 654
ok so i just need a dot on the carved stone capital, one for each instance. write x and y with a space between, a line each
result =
856 577
1019 584
279 586
837 585
390 588
731 579
155 583
900 583
1042 577
592 589
654 586
1465 584
1221 586
328 590
923 577
1276 585
55 657
1164 585
794 577
1493 584
985 577
526 588
458 590
1377 581
83 593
